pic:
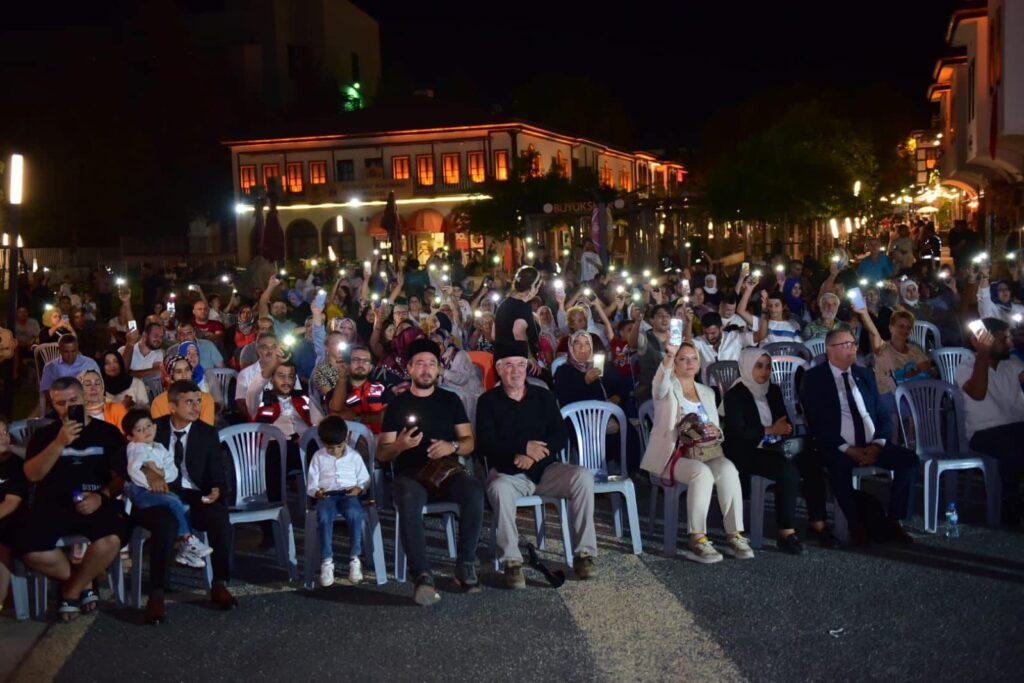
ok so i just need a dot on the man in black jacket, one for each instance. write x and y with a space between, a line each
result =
520 432
201 484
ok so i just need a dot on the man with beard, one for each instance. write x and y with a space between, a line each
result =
651 347
364 401
425 424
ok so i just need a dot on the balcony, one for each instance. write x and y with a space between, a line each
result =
441 188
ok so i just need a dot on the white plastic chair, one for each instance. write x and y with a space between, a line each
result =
927 401
816 346
247 444
537 382
947 359
448 511
784 369
793 348
43 354
557 363
22 430
920 335
722 374
136 545
224 377
373 538
670 512
645 422
590 423
758 492
154 386
20 576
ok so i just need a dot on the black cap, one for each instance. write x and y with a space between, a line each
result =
511 349
422 345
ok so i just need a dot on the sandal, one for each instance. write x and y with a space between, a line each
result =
69 609
89 601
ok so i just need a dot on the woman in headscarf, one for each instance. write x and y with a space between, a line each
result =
458 372
120 386
910 300
548 325
394 359
190 350
176 369
755 425
793 293
711 293
996 301
96 404
828 306
245 328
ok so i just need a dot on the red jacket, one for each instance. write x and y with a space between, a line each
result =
271 408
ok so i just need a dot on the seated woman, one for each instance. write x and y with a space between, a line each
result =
898 360
577 319
54 327
755 414
880 315
458 372
177 368
676 394
482 337
96 404
190 350
120 385
828 306
793 295
775 324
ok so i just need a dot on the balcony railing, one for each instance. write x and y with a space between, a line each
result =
464 186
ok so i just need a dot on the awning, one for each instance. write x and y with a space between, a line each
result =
376 229
428 221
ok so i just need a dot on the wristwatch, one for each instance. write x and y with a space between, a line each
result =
455 447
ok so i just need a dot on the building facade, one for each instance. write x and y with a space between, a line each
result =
432 155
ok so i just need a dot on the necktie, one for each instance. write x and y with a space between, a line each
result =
179 449
858 423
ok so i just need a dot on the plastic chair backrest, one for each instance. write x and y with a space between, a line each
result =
154 386
816 345
646 416
557 363
927 400
224 378
485 361
784 374
537 382
947 359
356 431
44 353
722 374
22 430
788 349
818 360
247 444
589 420
921 332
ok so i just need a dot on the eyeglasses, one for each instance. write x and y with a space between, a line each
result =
843 345
361 361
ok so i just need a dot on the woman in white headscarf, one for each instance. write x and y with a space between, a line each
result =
755 425
910 300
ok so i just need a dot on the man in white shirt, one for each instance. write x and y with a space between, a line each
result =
144 356
590 262
994 407
716 344
268 351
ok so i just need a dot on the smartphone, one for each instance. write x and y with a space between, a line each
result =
857 298
745 269
76 413
170 307
64 318
321 299
976 326
686 287
132 326
675 332
599 362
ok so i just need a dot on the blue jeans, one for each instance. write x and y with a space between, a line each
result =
144 498
349 507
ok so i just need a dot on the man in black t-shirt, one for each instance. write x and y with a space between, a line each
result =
13 491
78 472
426 424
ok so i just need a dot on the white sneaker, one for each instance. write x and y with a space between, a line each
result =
327 573
189 559
197 547
355 570
702 551
739 547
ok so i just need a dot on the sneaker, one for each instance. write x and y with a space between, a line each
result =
702 551
465 575
583 565
424 594
197 547
791 545
739 547
514 577
355 570
327 572
189 559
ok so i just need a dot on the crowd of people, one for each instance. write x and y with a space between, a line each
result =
461 379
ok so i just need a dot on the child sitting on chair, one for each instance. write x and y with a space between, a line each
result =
337 476
141 432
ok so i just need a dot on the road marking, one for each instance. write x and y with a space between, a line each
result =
639 631
49 654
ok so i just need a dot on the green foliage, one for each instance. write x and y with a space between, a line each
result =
802 166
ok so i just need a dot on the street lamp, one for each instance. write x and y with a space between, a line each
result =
856 189
15 195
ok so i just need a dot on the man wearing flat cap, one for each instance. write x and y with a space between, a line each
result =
423 432
520 432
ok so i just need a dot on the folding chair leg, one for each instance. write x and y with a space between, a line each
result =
932 477
671 524
842 529
284 539
538 522
399 551
373 540
311 551
757 498
633 515
116 574
40 596
449 532
652 508
19 591
137 544
617 514
494 545
563 511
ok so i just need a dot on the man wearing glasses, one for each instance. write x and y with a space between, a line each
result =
365 400
851 428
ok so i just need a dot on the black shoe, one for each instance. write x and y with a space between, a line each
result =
791 545
825 537
465 576
897 533
154 613
424 593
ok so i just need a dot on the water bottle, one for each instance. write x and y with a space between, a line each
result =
952 521
77 496
704 419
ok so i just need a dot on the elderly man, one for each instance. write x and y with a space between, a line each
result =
78 467
70 363
424 425
520 433
852 429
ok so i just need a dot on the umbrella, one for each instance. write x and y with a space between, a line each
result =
272 239
390 222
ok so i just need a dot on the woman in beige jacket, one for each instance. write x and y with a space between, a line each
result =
676 393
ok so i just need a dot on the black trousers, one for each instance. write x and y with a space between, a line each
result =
211 518
902 462
1006 444
804 472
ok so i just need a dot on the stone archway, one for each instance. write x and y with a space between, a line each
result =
344 242
301 240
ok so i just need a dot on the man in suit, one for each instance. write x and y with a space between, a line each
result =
852 429
201 483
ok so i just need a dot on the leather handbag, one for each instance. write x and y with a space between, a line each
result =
436 474
693 443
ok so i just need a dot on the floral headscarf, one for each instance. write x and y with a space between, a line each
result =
582 366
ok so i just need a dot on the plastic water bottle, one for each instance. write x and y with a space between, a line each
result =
77 496
952 521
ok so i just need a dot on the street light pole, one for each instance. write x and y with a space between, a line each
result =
16 172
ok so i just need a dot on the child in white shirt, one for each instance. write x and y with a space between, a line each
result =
142 448
337 476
